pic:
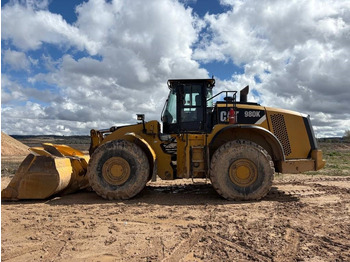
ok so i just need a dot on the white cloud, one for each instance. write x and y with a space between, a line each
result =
13 93
16 60
29 29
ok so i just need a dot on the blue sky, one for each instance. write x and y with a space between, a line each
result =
69 66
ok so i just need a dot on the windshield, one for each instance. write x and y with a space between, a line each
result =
170 110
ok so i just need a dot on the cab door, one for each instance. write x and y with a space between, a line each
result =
191 107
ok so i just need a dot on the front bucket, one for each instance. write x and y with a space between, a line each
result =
43 174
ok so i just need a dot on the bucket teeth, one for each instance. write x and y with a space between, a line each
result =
47 171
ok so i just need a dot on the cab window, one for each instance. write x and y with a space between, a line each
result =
191 103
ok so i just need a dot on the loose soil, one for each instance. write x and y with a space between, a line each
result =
12 147
303 218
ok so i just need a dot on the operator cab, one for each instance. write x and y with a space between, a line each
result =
185 110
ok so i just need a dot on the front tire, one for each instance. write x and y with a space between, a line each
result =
241 170
118 170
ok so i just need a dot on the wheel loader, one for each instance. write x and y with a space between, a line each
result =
238 145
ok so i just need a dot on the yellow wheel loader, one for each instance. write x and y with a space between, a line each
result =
238 145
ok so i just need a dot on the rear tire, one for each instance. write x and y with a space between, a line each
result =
241 170
118 170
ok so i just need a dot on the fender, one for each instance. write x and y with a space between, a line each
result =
256 134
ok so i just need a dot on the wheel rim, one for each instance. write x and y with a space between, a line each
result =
243 172
116 171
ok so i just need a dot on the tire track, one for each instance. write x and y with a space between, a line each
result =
184 247
190 244
290 249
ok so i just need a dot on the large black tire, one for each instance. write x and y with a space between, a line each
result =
118 170
241 170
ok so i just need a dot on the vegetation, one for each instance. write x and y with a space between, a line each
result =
79 142
346 136
337 156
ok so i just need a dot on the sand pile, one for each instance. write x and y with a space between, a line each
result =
12 147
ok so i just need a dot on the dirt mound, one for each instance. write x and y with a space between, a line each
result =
12 147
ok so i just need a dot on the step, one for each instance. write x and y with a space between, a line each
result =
197 147
197 161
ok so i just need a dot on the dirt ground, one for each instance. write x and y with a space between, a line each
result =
303 218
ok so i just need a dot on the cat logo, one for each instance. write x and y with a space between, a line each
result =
223 115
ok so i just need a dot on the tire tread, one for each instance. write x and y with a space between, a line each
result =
245 146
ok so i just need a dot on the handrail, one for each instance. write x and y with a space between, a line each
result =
233 96
227 101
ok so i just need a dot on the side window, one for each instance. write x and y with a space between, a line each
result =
208 96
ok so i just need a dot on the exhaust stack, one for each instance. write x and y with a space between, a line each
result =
244 95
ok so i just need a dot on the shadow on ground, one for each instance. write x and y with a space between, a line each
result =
182 195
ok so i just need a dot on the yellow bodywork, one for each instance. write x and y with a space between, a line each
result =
191 156
298 138
48 170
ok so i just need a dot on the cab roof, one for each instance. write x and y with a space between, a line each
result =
210 81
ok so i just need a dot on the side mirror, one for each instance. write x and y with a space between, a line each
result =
140 117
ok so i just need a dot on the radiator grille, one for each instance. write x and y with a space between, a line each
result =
280 130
